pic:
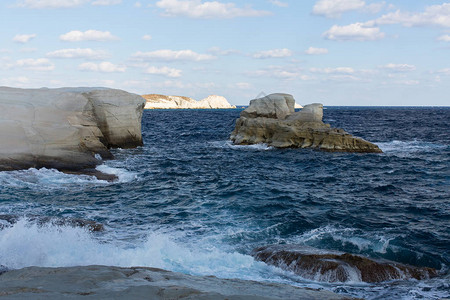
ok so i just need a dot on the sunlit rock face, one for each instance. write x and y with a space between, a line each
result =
65 128
272 120
155 101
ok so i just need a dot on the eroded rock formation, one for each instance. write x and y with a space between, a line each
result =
330 266
102 282
65 128
155 101
273 120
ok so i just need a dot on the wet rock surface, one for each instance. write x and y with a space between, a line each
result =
272 120
102 282
329 266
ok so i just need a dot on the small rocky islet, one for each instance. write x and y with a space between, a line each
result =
272 120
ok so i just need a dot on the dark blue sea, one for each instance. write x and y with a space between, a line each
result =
190 201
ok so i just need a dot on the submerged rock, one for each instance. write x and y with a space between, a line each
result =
273 120
332 266
9 220
102 282
65 128
155 101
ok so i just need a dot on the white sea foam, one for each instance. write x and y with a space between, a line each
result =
347 236
123 174
54 179
26 244
230 145
50 178
408 146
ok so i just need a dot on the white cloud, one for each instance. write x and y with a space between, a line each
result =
243 85
435 15
21 81
50 3
206 10
106 2
445 71
408 82
280 72
23 38
334 8
316 51
79 53
339 70
104 67
147 37
171 55
399 67
275 53
88 35
219 51
138 4
166 71
39 64
353 32
279 3
28 50
444 38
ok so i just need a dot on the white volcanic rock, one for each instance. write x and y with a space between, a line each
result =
65 128
214 101
118 115
156 101
309 113
102 282
274 106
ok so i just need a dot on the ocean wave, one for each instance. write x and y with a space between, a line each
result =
28 244
346 238
50 178
122 174
230 145
409 146
54 179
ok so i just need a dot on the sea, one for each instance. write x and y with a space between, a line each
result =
190 201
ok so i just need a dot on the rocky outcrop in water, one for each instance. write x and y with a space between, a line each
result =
9 220
272 120
329 266
65 128
155 101
101 282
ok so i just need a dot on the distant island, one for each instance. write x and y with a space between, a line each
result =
156 101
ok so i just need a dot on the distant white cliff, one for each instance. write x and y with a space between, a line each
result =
155 101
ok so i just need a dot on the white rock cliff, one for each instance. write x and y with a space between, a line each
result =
155 101
65 128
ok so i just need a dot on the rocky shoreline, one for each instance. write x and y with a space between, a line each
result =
107 282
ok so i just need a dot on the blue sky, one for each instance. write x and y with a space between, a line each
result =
337 52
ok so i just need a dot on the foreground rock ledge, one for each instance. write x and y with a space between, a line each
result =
64 128
102 282
333 266
272 120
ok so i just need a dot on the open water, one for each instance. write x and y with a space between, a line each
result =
190 201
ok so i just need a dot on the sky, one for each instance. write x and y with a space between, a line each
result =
336 52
